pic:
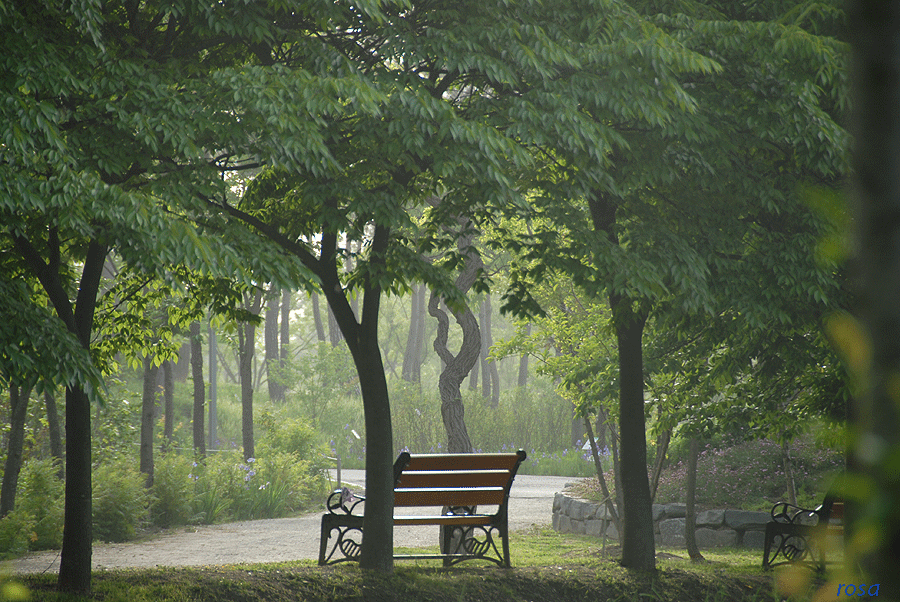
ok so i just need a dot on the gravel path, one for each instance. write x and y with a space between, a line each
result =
276 540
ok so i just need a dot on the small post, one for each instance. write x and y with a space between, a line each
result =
338 471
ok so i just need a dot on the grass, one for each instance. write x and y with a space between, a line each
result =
548 567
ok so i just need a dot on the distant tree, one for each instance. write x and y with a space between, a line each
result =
199 396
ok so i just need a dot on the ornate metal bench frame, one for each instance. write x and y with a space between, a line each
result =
458 482
795 534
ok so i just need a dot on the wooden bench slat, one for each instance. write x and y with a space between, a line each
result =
461 462
454 478
477 519
490 496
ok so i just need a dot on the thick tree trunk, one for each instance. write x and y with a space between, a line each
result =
246 349
362 340
75 557
638 546
148 415
690 521
168 403
456 368
199 409
18 410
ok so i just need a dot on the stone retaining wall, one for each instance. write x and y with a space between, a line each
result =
715 528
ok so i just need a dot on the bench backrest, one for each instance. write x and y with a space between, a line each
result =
454 479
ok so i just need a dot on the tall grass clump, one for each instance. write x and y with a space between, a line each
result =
120 501
172 500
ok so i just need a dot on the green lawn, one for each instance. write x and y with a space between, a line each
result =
548 567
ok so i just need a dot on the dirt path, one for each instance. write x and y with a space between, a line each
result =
274 540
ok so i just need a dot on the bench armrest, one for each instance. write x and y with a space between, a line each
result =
789 514
344 500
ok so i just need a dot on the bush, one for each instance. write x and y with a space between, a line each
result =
120 501
751 475
16 533
173 491
269 487
41 496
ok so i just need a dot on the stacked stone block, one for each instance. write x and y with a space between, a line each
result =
715 528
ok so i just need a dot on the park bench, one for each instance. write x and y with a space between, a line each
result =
456 484
798 535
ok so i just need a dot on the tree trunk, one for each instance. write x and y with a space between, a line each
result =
56 445
662 448
18 410
412 356
690 521
334 331
284 347
362 341
789 472
197 415
246 349
455 370
183 364
75 557
607 498
169 403
272 349
148 412
213 389
317 318
522 381
638 546
490 376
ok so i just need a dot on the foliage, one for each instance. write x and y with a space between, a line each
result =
316 378
15 534
748 475
120 501
36 522
40 496
172 493
267 487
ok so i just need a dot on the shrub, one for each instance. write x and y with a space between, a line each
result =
16 533
173 491
269 487
41 494
120 501
751 475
